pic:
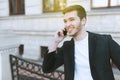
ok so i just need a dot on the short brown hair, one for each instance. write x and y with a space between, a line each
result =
80 10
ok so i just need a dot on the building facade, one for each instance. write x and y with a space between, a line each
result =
35 21
36 27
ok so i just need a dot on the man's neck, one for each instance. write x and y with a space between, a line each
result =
81 35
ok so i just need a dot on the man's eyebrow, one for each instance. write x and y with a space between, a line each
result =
69 18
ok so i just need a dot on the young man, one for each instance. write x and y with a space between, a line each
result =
87 55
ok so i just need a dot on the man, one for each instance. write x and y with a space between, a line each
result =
87 55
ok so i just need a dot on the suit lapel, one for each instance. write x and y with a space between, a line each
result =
92 45
92 49
72 59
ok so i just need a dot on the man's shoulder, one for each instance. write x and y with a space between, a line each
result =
69 42
100 36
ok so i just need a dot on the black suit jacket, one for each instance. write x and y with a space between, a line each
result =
102 49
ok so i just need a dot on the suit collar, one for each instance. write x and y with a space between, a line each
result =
92 49
91 44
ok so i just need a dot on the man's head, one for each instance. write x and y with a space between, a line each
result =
74 19
80 10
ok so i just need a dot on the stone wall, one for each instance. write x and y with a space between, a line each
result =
9 44
36 28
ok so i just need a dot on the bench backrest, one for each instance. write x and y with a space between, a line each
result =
22 69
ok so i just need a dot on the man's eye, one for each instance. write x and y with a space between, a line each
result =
65 21
71 19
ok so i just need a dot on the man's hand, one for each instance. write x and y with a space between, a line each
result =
58 37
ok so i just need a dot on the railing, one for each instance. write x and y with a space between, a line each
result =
23 69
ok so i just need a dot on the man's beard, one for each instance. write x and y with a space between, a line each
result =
78 32
75 34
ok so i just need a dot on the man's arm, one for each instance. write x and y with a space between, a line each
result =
52 60
114 51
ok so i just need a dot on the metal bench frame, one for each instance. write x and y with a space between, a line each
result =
22 69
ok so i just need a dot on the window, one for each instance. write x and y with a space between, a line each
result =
105 3
21 49
44 49
16 7
53 5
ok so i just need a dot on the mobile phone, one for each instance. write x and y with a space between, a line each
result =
65 32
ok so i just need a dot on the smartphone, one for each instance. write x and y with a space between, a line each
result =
65 32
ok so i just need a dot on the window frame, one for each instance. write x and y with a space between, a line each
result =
18 9
108 5
44 49
54 5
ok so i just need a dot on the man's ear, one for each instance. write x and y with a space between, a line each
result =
83 21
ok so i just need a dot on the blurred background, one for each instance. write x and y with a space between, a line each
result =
28 26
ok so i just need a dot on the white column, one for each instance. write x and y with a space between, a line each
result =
0 67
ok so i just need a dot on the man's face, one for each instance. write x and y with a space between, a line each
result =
72 22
